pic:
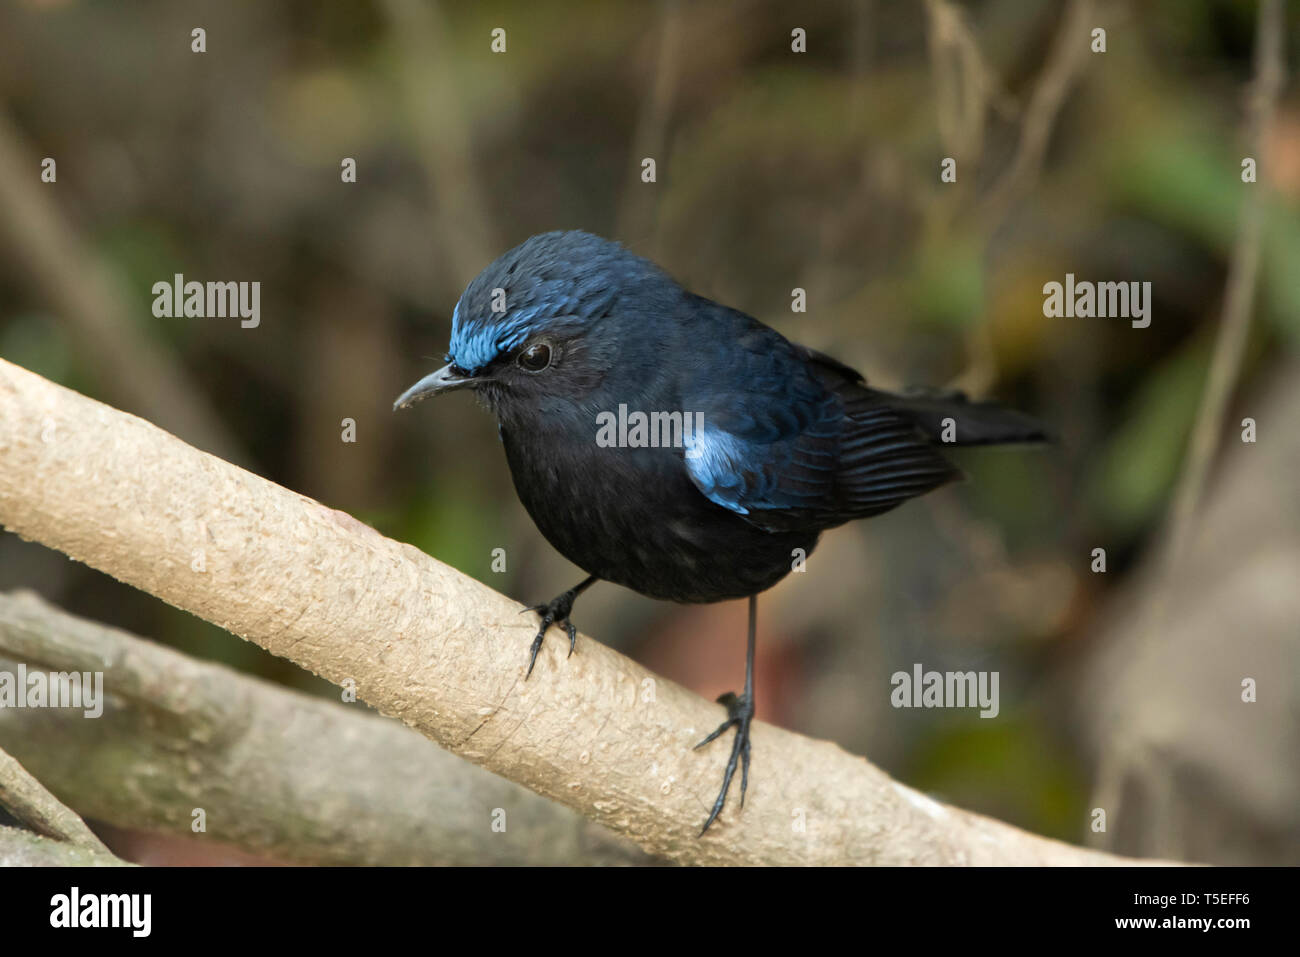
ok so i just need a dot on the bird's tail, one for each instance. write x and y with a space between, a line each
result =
952 419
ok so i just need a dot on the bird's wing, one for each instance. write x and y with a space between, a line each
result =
791 439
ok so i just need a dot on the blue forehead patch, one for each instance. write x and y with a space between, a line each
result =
474 345
560 275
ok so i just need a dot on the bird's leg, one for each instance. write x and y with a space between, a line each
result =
740 713
556 612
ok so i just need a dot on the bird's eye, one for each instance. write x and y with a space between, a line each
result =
535 358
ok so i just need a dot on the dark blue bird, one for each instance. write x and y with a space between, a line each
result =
755 445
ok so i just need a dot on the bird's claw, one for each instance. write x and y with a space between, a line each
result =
740 713
554 612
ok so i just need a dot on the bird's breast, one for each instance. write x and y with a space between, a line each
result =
631 515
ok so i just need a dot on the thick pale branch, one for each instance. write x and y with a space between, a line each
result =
277 773
446 654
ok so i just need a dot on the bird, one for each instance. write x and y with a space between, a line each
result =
569 333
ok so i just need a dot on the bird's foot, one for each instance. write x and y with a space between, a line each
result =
554 612
740 713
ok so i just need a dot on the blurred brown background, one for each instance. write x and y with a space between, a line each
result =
775 170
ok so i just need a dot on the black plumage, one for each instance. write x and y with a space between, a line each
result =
565 329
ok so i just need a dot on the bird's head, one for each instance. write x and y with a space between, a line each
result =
543 325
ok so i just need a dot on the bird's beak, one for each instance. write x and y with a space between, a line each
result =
445 379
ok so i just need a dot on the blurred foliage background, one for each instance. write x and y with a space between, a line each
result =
775 170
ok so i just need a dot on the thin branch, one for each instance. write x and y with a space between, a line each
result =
1063 65
965 88
27 800
446 654
277 773
965 91
1239 297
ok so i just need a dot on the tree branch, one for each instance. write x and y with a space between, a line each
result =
27 800
1064 63
19 848
277 773
1239 296
446 654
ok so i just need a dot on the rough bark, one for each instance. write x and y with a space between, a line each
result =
20 848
